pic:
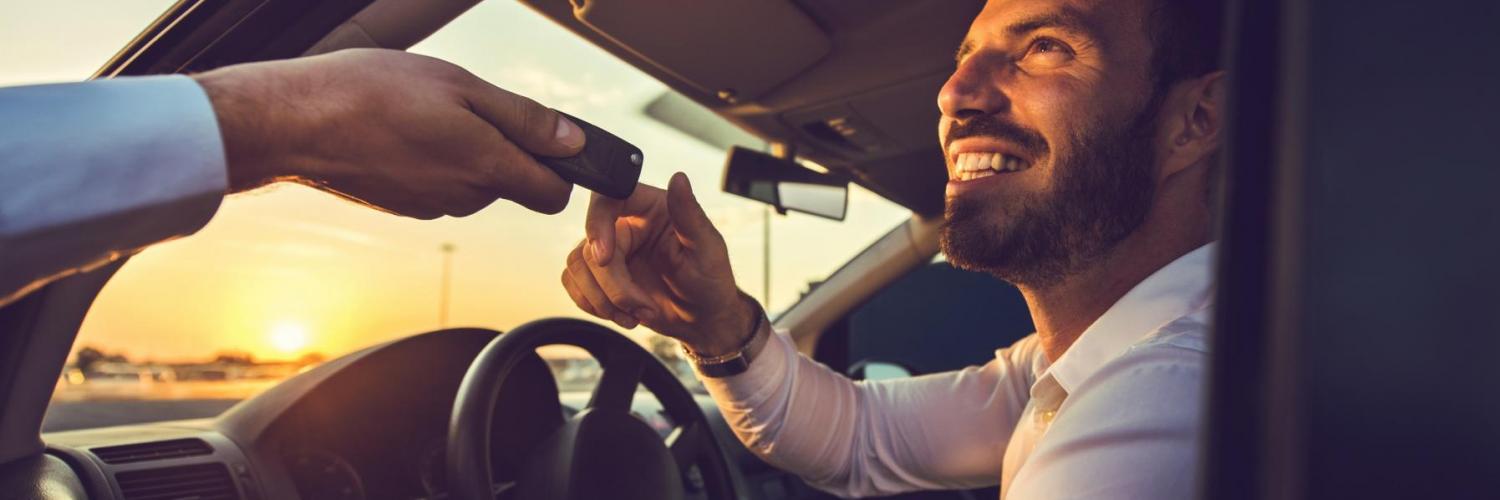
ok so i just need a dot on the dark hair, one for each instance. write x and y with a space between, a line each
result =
1185 38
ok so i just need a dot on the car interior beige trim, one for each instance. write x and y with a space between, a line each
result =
912 244
392 24
865 108
734 49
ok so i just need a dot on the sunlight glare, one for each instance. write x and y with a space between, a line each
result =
289 337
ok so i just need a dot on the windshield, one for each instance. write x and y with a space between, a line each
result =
287 277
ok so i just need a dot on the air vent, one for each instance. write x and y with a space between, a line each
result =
158 450
187 482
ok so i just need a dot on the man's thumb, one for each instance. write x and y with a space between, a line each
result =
687 215
535 128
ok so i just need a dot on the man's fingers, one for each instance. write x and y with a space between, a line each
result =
521 179
573 293
604 211
687 215
599 227
588 287
536 128
621 289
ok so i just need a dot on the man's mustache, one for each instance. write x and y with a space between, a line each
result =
1029 141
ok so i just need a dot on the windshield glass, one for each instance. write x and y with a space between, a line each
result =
287 277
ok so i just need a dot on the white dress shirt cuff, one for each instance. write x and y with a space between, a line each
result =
762 379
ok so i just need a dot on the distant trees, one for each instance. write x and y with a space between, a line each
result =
312 358
88 358
243 358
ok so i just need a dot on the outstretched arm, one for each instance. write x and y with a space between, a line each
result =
655 260
91 172
939 431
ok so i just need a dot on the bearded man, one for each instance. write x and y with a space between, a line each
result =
1081 138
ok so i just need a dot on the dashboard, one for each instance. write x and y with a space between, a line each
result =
369 425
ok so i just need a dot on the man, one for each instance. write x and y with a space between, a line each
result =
1081 137
93 171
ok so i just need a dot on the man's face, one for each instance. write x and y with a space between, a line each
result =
1049 131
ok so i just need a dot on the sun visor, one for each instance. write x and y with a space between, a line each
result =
734 49
889 121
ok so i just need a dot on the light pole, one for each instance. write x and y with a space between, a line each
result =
766 257
447 249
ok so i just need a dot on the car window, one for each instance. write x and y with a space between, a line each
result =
287 277
936 318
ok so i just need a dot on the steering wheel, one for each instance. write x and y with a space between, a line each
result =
602 451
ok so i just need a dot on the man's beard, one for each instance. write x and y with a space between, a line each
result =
1099 196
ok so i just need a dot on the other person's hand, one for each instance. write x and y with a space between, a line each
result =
655 259
400 132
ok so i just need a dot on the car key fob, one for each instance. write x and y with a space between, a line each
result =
607 165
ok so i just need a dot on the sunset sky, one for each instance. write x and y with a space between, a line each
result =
287 270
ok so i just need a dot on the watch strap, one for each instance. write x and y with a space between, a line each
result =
734 362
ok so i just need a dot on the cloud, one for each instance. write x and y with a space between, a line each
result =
330 231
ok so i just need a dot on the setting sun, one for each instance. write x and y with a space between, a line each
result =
289 337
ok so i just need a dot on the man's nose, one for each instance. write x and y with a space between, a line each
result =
974 88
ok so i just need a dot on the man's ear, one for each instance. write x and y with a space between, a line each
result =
1195 122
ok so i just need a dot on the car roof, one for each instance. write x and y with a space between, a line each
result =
851 85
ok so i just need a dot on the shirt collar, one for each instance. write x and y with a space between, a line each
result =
1172 292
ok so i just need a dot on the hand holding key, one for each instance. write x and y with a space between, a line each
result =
655 259
399 132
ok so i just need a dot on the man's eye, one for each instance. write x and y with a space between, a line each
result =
1047 52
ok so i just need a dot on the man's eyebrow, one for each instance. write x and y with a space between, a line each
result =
1064 19
964 49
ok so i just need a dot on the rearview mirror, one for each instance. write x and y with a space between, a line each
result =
784 184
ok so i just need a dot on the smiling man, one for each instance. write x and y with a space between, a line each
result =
1081 138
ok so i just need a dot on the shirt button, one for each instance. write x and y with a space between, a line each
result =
1047 416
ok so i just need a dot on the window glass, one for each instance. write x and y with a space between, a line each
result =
287 277
936 318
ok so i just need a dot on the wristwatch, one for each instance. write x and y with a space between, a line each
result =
734 362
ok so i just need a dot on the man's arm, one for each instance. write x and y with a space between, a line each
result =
940 431
90 172
655 259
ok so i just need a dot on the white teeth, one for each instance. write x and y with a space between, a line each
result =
979 174
969 162
968 166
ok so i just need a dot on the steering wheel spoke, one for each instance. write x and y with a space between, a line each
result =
616 389
686 444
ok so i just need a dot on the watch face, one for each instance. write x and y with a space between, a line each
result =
729 367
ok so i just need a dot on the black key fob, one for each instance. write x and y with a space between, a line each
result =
607 165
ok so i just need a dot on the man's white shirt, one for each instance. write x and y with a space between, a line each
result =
92 172
1117 416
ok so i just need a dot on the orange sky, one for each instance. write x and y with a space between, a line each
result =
292 259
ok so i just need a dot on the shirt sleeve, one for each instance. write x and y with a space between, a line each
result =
91 172
939 431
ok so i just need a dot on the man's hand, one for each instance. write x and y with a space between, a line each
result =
400 132
656 260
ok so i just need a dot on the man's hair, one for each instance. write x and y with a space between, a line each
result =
1185 38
